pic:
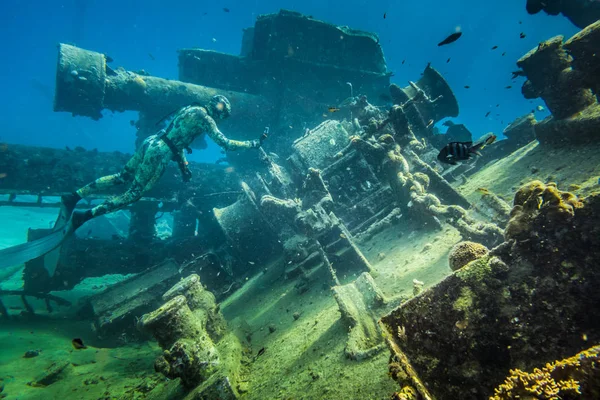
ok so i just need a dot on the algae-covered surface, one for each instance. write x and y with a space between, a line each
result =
93 373
301 331
573 168
304 355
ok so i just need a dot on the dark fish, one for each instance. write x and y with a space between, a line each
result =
226 9
497 105
384 15
450 39
151 56
403 61
447 61
78 344
460 151
508 87
494 48
108 58
522 35
467 87
517 73
503 54
487 114
333 109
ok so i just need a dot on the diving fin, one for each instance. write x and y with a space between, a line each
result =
67 205
24 252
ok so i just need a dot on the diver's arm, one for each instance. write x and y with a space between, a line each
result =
228 144
182 163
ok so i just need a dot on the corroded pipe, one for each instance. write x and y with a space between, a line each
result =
85 85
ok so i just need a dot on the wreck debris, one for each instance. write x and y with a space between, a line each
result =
357 302
392 218
312 217
560 86
96 87
428 99
55 372
246 229
189 352
23 294
545 273
565 77
197 347
202 303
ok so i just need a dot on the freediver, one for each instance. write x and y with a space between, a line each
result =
150 161
141 173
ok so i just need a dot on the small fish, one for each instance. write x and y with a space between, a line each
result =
78 344
494 48
226 9
460 151
342 236
151 56
540 108
497 105
448 60
429 124
260 353
214 40
384 15
403 61
487 114
508 87
503 54
467 87
522 35
450 39
333 109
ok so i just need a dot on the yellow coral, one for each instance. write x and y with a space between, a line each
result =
534 199
571 377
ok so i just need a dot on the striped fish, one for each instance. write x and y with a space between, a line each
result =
460 151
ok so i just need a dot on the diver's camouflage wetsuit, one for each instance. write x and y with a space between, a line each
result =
150 161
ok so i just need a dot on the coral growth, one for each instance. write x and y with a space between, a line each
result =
540 205
465 252
577 377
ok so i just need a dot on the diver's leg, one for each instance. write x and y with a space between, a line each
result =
148 173
69 201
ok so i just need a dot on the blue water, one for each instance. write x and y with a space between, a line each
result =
129 30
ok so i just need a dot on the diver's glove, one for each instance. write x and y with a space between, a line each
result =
258 142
